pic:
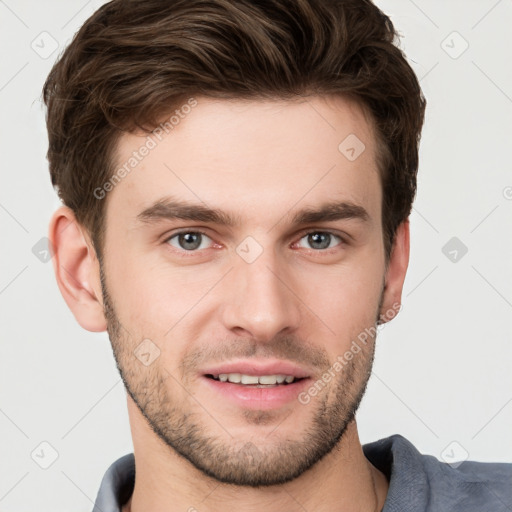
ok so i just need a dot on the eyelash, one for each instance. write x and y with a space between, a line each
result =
301 235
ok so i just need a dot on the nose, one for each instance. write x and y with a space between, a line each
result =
259 302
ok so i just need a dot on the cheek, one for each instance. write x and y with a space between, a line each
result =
157 300
345 298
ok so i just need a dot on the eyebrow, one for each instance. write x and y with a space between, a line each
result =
168 208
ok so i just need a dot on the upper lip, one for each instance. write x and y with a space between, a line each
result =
258 367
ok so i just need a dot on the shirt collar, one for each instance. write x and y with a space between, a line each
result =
394 456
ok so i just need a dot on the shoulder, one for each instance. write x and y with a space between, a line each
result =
419 480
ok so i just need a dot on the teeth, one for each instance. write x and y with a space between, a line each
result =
238 378
267 379
249 379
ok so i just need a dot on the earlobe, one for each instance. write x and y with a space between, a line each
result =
395 274
76 270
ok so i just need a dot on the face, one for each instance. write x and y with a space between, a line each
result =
243 256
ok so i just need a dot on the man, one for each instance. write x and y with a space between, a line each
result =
237 179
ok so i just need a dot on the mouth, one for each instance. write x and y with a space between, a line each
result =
252 384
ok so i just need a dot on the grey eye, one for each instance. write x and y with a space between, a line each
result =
188 240
320 239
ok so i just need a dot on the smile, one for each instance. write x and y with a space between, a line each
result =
254 380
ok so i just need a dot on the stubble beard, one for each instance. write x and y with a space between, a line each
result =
237 461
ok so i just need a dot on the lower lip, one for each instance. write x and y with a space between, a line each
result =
258 398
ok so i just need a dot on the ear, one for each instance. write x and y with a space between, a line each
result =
76 268
395 274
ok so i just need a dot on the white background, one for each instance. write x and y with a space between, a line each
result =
442 370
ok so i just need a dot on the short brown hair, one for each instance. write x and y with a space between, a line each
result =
135 60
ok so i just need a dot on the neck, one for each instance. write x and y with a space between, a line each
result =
343 480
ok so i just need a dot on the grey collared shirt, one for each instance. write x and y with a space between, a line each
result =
416 482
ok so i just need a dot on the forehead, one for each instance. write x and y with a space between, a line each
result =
253 157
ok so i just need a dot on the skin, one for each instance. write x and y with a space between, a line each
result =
262 161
